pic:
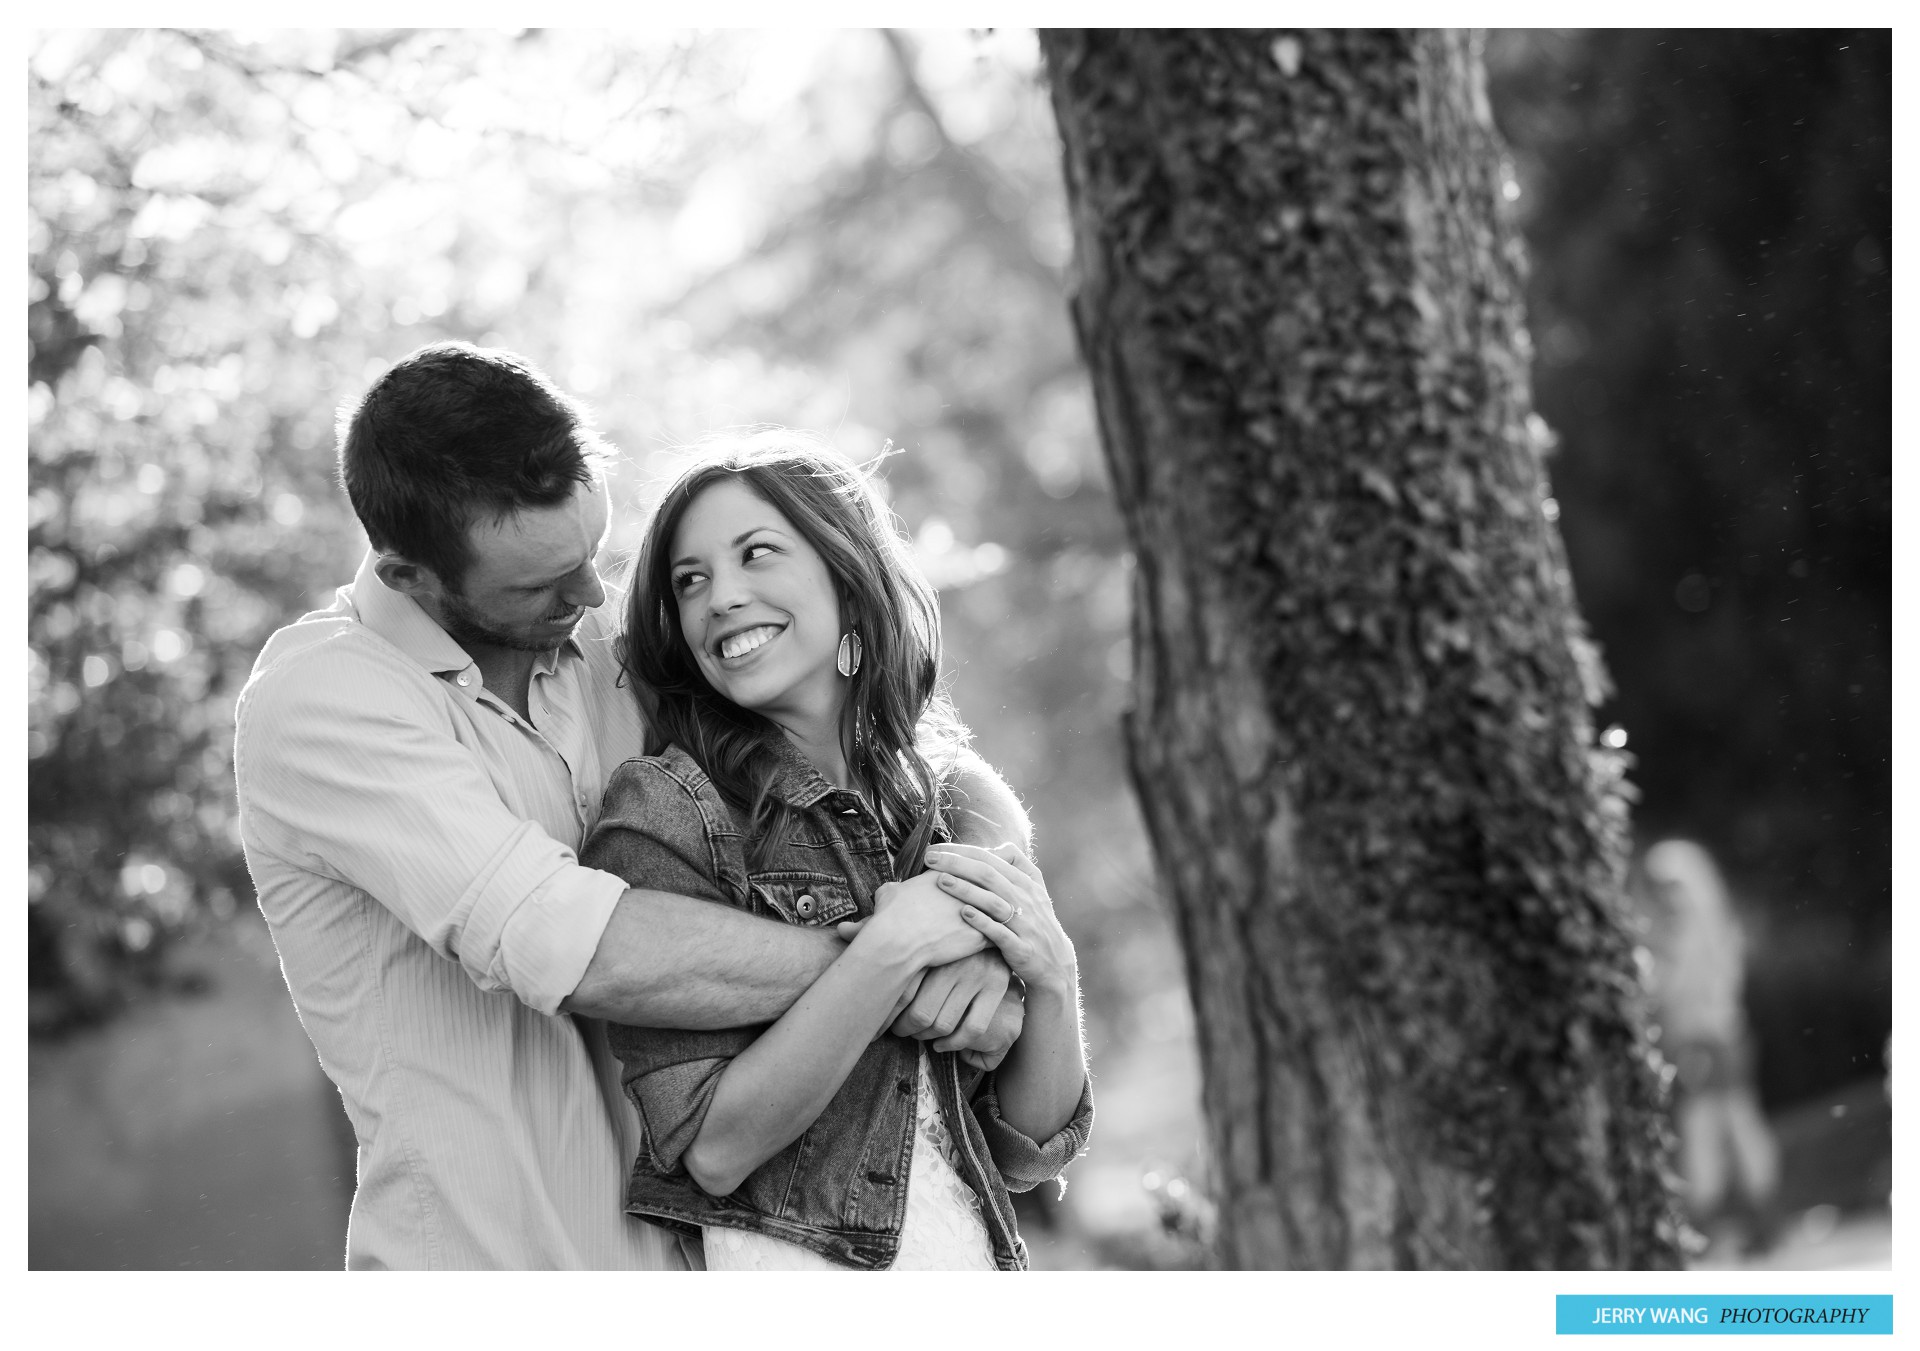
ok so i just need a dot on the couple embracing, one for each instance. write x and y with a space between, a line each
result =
678 929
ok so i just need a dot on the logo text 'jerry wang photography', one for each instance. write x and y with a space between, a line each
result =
1668 1314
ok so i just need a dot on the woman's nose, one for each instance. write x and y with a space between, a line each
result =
727 591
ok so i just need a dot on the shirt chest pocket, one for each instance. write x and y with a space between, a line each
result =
812 899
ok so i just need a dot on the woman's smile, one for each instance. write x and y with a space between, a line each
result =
736 647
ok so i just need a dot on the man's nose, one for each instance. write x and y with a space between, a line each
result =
585 588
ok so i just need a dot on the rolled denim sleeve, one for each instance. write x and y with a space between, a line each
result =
1024 1162
670 1077
347 765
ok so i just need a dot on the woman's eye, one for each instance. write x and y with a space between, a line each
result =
754 551
684 580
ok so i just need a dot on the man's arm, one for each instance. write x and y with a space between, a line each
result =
985 811
678 951
672 961
666 960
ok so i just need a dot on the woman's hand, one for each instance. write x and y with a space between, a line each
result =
916 922
1040 1083
1006 900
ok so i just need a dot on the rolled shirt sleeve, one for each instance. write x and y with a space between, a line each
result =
349 764
1024 1162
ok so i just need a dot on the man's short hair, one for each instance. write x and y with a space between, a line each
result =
449 433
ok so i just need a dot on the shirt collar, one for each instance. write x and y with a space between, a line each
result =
399 619
798 783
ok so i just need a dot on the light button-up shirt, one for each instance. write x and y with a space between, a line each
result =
413 841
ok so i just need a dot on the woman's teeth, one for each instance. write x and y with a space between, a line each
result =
739 644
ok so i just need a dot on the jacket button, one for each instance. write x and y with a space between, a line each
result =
804 905
906 1088
875 1175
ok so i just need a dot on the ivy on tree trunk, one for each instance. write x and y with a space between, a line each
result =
1361 735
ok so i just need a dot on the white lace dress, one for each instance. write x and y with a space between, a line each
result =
943 1229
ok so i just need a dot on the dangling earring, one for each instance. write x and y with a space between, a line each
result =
849 662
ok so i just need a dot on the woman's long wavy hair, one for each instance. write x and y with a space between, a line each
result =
899 729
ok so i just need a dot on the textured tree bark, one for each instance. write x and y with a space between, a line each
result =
1361 736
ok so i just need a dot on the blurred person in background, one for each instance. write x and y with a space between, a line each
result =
417 765
1728 1156
806 757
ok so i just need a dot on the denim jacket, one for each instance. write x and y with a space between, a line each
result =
841 1188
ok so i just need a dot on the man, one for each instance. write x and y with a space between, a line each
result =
416 766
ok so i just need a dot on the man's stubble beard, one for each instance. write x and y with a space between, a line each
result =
465 626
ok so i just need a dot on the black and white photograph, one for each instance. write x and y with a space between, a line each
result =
1065 650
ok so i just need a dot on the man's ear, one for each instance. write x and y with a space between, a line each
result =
407 577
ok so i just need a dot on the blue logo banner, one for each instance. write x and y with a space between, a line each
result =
1718 1315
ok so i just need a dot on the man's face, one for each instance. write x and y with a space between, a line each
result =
532 577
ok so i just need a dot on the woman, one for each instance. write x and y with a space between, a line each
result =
791 650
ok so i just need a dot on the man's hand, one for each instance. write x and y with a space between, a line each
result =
1009 1019
965 1006
900 1004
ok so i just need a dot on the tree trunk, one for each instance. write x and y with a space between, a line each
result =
1361 736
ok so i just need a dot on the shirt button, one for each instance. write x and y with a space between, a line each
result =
463 680
804 905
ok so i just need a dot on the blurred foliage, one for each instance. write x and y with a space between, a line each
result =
1709 221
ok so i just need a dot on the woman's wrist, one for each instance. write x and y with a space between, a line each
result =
883 955
1059 984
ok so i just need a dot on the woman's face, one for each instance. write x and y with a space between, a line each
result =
757 605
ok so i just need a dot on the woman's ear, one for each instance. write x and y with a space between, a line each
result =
849 610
